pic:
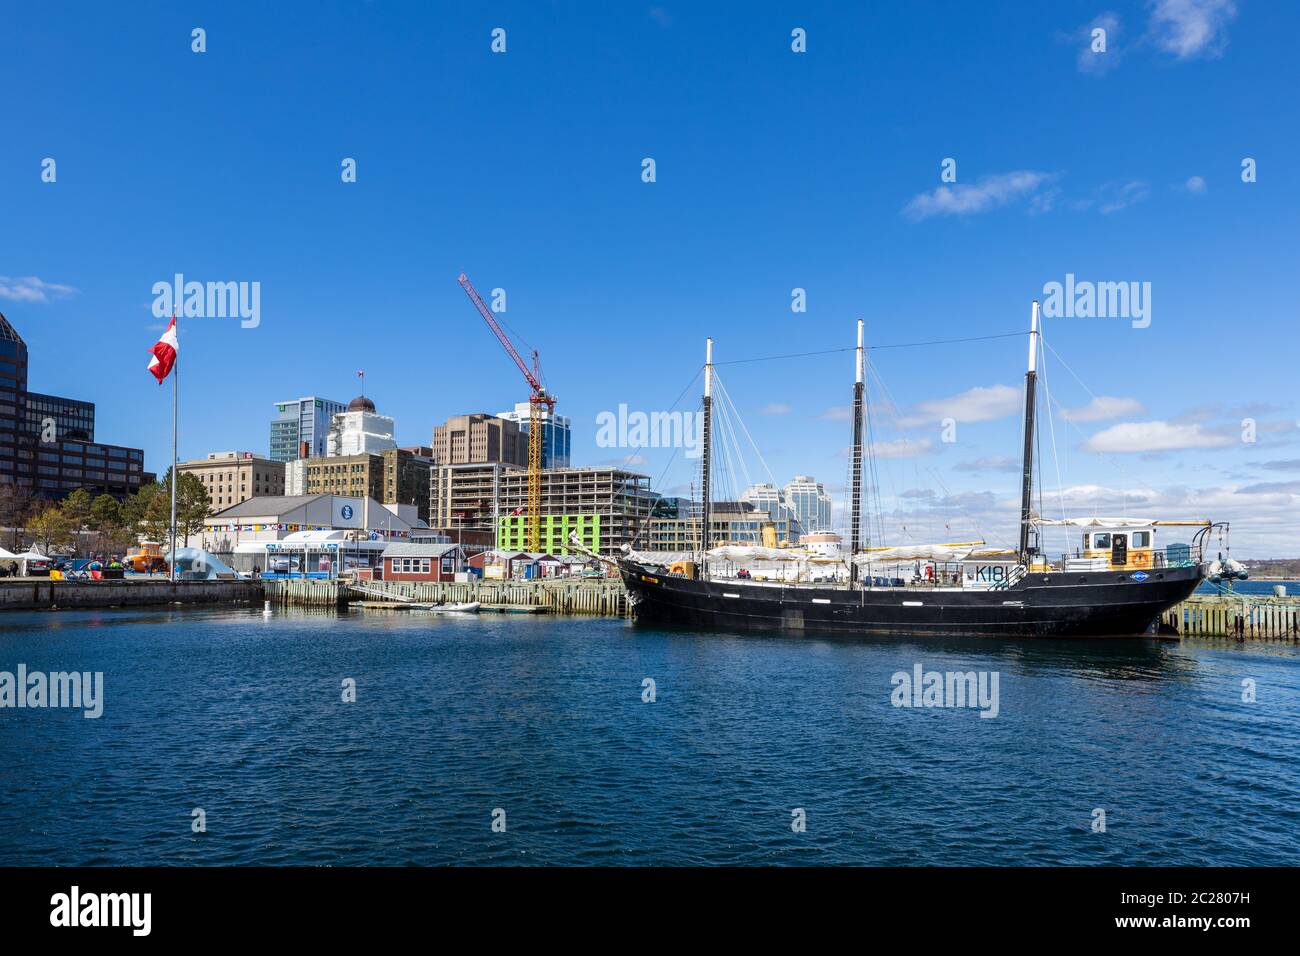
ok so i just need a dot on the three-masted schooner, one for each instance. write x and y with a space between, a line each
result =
1117 584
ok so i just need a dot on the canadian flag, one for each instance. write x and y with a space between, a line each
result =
164 353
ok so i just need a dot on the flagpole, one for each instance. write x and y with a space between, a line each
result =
176 371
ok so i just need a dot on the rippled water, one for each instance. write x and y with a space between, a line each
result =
544 719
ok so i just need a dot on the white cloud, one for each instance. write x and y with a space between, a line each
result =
32 289
994 463
1113 197
1191 28
840 413
979 404
900 448
1196 185
1142 437
1103 407
990 192
777 408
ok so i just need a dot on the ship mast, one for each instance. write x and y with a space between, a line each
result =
1027 475
855 499
706 453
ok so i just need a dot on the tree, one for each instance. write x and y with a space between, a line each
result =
148 513
51 529
192 504
106 521
76 508
105 514
16 506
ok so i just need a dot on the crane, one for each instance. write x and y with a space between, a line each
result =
537 400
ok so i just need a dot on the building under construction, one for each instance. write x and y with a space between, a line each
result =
606 507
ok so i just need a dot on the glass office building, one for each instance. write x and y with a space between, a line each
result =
302 420
810 503
556 434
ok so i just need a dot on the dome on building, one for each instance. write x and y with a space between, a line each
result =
361 404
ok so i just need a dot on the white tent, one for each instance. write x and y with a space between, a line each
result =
32 555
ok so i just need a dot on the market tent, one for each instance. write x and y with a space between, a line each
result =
22 559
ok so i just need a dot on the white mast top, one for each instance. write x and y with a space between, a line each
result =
859 359
708 368
1033 338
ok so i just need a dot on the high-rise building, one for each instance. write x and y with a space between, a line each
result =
810 503
767 497
360 430
479 439
231 477
304 420
47 443
557 434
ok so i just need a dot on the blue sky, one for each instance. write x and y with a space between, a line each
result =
775 170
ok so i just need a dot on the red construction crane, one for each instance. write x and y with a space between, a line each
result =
536 401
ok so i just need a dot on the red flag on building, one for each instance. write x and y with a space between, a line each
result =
164 353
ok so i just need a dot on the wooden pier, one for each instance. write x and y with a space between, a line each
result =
600 597
1241 617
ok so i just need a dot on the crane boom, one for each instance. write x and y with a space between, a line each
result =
484 311
536 401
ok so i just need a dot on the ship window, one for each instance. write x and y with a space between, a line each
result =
1101 541
1141 539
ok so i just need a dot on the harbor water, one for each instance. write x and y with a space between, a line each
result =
594 741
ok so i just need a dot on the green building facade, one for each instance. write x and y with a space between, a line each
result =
512 532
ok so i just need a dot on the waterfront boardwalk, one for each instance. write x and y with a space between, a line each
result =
563 596
1239 616
28 594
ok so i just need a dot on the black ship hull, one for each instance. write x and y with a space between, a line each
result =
1052 605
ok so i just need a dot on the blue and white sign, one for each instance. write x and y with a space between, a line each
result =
347 513
1139 575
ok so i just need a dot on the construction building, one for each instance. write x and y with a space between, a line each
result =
232 477
605 506
479 439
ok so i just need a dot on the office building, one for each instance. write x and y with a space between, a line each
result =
301 427
810 503
395 476
556 434
479 439
47 442
231 477
767 497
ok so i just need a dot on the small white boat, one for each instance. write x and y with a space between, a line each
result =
469 607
